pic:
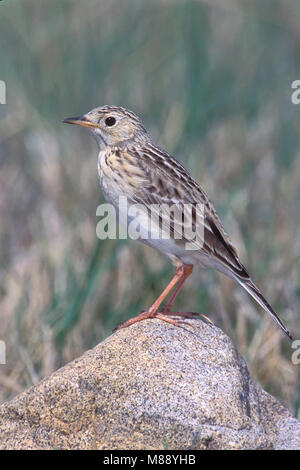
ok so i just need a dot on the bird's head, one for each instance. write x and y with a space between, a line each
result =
112 125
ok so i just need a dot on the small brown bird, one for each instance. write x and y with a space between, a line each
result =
132 166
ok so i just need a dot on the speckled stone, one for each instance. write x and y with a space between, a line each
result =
151 386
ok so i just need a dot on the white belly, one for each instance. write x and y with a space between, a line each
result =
135 219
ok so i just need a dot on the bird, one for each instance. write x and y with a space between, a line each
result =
132 166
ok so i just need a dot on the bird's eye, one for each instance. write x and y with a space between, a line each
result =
110 121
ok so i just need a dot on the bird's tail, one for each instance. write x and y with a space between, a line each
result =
251 288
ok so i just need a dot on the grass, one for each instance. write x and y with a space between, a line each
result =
213 85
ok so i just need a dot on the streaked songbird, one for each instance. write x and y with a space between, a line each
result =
131 165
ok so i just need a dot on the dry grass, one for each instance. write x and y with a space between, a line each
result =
213 85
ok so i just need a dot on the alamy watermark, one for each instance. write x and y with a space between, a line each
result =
155 222
296 354
2 92
295 96
2 352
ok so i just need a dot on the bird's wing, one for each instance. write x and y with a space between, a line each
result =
167 182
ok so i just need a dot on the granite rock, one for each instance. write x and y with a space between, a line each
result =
151 386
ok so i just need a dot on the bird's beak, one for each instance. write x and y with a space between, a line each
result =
80 121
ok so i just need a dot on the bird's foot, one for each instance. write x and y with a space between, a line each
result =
186 315
148 314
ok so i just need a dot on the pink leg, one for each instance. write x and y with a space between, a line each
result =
187 271
180 275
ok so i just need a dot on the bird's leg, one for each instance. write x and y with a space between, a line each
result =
187 271
153 310
179 276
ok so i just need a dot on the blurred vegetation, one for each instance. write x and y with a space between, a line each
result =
212 82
